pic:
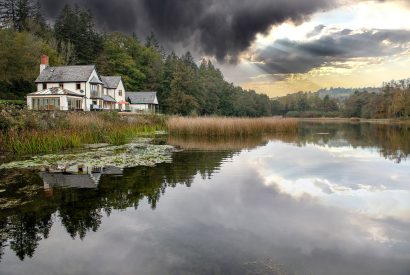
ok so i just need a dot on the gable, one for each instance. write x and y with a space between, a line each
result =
111 82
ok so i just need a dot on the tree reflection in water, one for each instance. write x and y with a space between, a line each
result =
31 201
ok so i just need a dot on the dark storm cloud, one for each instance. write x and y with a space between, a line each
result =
118 15
221 28
286 56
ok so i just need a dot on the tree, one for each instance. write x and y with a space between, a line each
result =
8 14
117 59
76 26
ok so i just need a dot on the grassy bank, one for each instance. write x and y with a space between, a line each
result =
229 127
25 132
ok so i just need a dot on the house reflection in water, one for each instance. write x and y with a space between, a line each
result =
79 177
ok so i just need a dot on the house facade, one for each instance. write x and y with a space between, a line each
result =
144 102
69 88
114 90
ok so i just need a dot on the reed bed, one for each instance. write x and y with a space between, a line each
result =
35 133
229 127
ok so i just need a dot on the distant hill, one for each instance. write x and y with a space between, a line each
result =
343 93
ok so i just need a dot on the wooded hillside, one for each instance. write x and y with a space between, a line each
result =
183 87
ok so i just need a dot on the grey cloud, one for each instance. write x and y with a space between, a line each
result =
316 31
288 56
221 28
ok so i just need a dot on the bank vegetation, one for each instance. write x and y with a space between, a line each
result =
27 132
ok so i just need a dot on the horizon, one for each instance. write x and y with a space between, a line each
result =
273 47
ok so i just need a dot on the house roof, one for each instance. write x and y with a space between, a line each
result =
108 98
65 74
111 82
84 181
141 97
55 91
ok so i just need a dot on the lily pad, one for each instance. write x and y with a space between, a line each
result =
137 153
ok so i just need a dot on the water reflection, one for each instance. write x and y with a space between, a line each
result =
81 197
322 202
392 141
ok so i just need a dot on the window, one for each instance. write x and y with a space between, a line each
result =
74 104
78 86
44 86
61 85
46 104
120 92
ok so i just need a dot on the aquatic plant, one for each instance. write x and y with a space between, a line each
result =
137 153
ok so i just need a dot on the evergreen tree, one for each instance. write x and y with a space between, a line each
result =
76 26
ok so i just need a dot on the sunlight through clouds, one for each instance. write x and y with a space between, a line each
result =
351 67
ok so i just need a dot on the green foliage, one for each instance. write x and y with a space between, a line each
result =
304 105
19 60
76 26
119 57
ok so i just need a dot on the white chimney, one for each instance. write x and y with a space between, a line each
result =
44 62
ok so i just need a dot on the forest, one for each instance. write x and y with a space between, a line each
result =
184 86
392 102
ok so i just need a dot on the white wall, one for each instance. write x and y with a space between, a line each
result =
30 102
88 101
71 86
117 96
140 108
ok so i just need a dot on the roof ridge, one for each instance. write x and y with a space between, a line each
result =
62 66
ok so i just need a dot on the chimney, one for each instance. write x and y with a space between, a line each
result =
44 62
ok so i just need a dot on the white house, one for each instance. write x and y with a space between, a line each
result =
142 101
114 89
75 88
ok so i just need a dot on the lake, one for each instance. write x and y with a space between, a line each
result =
333 199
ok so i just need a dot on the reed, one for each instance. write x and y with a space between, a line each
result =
229 127
39 133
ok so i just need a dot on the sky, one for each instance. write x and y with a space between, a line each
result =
275 47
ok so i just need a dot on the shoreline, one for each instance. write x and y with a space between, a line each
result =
385 121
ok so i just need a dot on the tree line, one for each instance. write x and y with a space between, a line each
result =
183 87
392 102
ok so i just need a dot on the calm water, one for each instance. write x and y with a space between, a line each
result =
333 200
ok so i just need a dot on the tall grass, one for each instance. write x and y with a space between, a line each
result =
34 133
229 127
